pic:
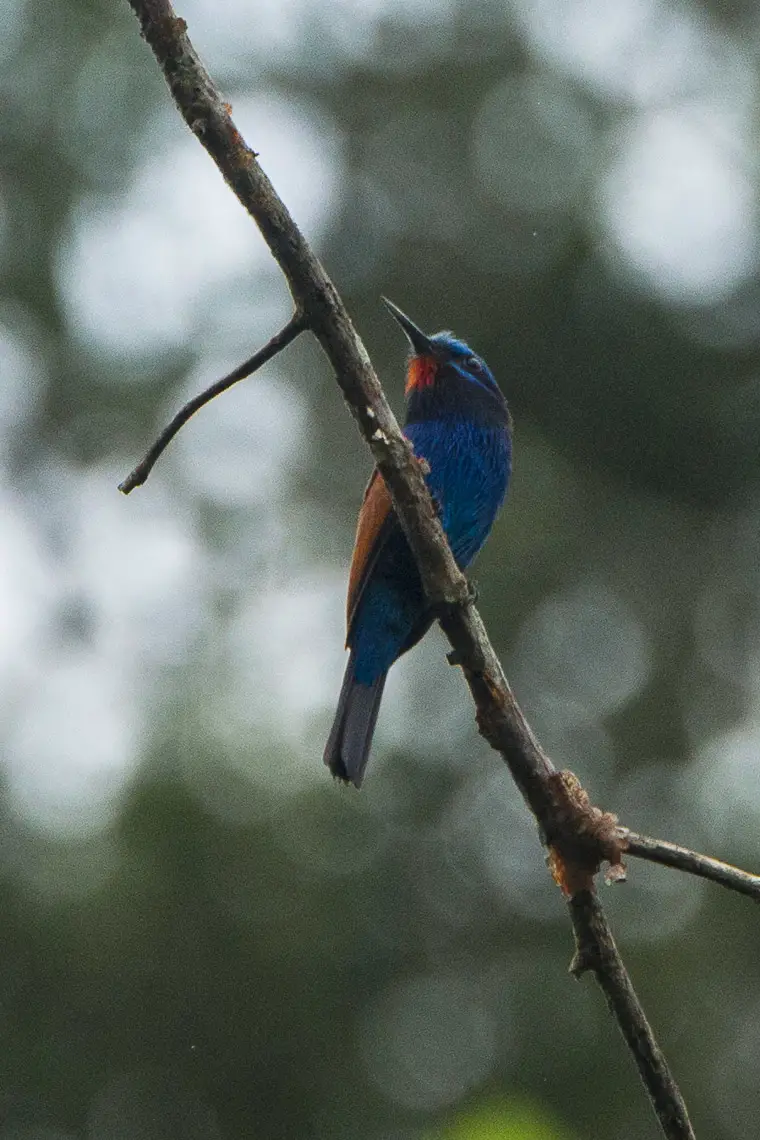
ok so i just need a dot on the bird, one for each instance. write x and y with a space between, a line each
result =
459 424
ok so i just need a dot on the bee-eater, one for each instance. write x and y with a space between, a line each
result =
458 422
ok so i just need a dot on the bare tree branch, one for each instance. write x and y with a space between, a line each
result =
500 718
596 951
579 835
314 294
672 855
279 341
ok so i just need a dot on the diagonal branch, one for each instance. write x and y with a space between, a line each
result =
209 118
704 866
596 951
580 835
279 341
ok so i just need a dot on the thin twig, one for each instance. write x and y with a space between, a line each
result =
596 951
673 855
281 340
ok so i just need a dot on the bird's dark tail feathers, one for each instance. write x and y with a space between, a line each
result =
350 739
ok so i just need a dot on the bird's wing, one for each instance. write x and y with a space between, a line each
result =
376 523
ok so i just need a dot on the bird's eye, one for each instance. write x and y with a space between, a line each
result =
474 364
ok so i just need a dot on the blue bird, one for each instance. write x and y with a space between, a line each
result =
457 421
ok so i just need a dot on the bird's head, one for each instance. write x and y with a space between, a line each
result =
445 377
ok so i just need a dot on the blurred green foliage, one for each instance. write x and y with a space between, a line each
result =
510 1120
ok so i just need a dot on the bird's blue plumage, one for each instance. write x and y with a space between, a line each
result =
458 422
469 469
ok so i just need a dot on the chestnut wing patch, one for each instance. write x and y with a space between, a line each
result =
376 522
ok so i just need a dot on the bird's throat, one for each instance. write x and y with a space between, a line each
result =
421 373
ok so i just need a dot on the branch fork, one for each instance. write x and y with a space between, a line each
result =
583 838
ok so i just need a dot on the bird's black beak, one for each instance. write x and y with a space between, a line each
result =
421 344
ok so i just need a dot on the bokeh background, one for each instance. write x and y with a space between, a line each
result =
202 935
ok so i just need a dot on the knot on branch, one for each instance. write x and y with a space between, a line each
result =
580 837
451 598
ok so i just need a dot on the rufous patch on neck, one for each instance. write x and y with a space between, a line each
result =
420 373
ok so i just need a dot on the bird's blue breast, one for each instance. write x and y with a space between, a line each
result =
470 464
469 471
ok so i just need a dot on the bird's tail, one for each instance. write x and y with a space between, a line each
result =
350 739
